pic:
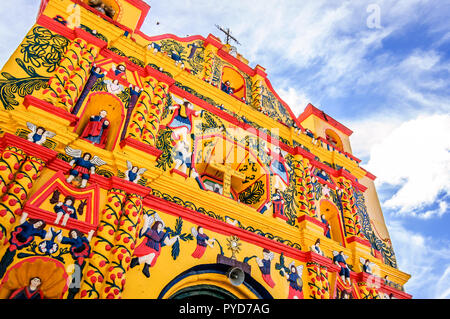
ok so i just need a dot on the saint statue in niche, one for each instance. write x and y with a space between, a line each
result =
96 131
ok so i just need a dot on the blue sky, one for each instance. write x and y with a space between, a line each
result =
379 67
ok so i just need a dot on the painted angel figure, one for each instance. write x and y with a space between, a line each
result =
278 167
119 70
264 265
316 248
114 87
340 260
181 123
155 47
80 248
82 165
294 278
22 236
134 173
148 251
203 241
368 266
39 134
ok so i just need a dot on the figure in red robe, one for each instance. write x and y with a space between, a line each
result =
96 131
203 241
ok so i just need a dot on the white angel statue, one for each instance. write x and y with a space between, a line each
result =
39 134
82 165
134 173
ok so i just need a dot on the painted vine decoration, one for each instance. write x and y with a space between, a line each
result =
291 192
164 144
178 232
377 243
12 86
42 48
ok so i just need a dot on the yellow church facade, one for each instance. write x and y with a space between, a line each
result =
158 167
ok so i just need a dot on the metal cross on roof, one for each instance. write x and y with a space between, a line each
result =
227 32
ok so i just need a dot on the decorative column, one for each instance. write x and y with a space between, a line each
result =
141 110
125 242
134 95
368 286
305 195
351 219
63 72
208 63
97 269
257 82
158 102
71 74
10 161
74 85
18 190
319 287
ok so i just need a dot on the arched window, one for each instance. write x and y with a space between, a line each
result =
333 139
330 213
109 8
233 83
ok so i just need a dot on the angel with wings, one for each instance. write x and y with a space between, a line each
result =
368 266
316 248
39 134
148 251
134 173
181 123
114 87
340 260
82 165
264 265
202 241
294 278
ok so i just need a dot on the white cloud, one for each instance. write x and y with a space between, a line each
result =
414 157
17 18
425 259
296 100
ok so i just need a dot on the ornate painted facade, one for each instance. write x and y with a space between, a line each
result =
136 166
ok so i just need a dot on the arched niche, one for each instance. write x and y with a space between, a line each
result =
333 138
234 168
331 213
115 115
51 272
113 4
237 81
